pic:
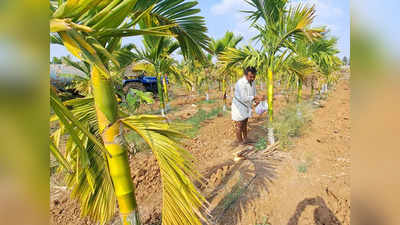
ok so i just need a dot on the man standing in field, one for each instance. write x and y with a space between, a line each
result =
244 95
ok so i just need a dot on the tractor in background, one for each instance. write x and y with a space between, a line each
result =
142 83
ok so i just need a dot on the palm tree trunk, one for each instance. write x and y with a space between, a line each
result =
208 90
312 88
118 164
299 90
271 138
160 94
224 91
165 88
270 85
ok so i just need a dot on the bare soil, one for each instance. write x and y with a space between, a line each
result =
309 184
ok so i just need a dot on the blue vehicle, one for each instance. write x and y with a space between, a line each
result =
141 83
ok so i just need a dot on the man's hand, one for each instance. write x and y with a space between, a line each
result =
258 99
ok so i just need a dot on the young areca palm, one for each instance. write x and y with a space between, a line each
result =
323 53
95 151
229 40
279 26
155 58
193 75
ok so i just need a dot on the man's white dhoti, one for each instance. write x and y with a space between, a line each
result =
244 94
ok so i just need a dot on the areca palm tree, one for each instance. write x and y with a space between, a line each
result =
95 152
229 40
323 53
209 75
299 68
193 75
278 24
155 58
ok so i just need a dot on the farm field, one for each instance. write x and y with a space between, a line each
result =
155 119
307 184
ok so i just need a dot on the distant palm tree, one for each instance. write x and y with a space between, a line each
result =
229 40
323 52
156 59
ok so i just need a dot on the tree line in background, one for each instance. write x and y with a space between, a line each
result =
89 138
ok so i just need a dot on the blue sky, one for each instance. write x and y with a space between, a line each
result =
224 15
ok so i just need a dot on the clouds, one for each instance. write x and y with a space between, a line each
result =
331 13
229 10
326 10
227 6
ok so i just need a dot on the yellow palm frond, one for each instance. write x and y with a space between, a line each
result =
182 202
84 157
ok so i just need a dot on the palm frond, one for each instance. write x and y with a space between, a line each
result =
300 66
182 203
60 157
55 39
90 182
190 29
228 41
143 67
268 10
69 120
84 68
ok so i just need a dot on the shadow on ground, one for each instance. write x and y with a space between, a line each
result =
322 214
231 187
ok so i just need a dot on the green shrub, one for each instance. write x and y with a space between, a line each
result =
261 144
265 222
291 122
211 101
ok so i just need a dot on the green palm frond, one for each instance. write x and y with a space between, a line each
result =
246 56
190 29
270 11
55 39
124 55
155 57
105 24
83 67
300 66
282 24
182 203
60 157
228 41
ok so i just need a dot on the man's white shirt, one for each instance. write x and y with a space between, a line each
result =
244 94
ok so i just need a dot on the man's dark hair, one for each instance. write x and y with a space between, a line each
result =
251 69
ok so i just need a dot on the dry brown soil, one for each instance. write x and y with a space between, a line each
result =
308 184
